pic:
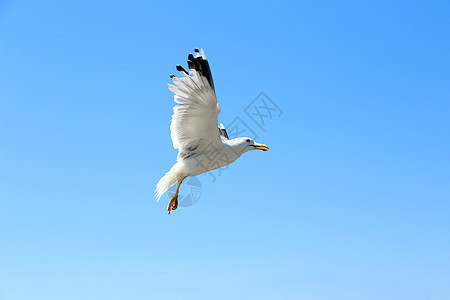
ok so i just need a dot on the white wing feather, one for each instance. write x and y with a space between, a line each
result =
194 121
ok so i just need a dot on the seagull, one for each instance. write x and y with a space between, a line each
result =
202 144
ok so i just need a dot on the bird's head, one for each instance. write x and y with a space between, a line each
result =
245 144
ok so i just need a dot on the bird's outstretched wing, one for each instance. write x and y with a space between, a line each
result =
194 120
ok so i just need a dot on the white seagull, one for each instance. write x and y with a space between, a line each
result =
202 145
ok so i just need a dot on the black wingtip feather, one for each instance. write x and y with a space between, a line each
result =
181 69
198 64
223 133
201 65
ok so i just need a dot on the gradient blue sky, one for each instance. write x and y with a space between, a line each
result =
351 201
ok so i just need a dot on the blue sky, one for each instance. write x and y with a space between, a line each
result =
351 201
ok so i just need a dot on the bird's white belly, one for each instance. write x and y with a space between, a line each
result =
203 163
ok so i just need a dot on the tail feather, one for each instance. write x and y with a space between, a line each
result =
167 181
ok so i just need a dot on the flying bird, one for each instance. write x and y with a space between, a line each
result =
202 144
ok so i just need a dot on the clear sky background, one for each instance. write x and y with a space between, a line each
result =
351 201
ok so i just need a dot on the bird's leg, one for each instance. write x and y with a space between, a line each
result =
173 204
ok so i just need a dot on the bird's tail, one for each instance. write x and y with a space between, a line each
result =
167 181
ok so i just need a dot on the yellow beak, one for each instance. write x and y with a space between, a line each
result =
261 147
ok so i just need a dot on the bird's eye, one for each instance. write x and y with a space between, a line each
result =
248 140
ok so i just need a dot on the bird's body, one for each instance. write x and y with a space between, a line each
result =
202 145
214 159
